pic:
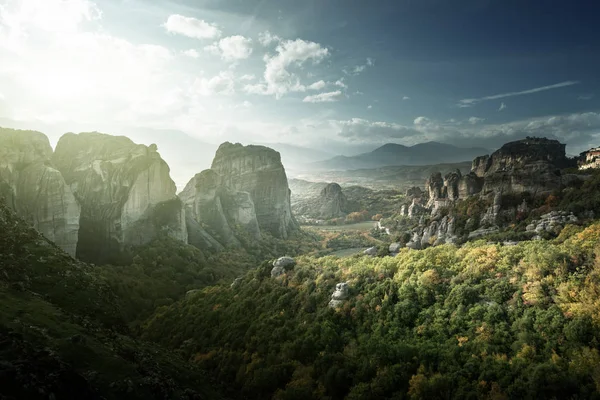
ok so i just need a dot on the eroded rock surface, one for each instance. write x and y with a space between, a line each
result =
339 295
218 213
117 183
35 189
258 171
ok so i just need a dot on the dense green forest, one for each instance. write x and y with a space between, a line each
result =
482 321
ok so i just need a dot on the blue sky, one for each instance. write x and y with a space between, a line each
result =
339 75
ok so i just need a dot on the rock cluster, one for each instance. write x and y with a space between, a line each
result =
531 165
339 295
453 186
551 222
434 234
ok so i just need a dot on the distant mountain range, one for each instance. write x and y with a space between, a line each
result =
392 154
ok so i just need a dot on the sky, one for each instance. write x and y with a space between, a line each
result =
335 75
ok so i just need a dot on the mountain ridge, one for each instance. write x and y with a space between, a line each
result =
394 154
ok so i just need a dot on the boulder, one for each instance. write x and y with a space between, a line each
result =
371 251
339 295
282 265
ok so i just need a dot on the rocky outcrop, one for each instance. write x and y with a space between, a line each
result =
217 214
371 251
416 209
258 171
329 203
436 233
435 188
118 184
552 222
340 295
35 189
282 265
332 202
530 165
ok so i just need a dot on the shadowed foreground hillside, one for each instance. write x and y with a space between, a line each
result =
63 334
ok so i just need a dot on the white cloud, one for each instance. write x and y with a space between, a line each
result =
406 98
357 70
232 48
278 79
247 77
369 106
222 84
323 97
475 120
47 15
472 102
502 106
585 97
266 38
191 53
191 27
317 85
340 83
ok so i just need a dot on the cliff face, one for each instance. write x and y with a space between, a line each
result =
332 202
217 213
530 165
117 184
35 189
258 171
453 186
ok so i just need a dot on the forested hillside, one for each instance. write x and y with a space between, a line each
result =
481 321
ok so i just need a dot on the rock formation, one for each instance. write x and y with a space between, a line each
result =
35 189
371 251
258 171
339 295
332 202
217 212
118 185
282 265
530 165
